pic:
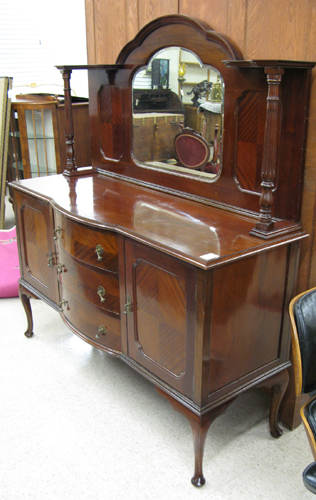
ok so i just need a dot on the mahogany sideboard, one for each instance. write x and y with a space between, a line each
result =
185 275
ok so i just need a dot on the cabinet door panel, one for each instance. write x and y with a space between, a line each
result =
35 224
162 292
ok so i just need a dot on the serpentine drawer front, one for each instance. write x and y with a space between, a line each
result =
89 281
91 323
95 287
92 246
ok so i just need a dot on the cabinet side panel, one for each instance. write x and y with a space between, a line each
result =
247 315
80 112
111 125
250 123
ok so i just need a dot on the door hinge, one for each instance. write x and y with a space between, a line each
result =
128 306
50 259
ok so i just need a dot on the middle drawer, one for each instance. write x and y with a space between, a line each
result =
95 287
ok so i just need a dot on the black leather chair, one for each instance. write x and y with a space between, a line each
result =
303 322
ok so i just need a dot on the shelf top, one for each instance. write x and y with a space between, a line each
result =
106 67
265 63
199 234
241 63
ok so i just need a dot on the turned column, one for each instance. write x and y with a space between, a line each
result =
71 167
270 150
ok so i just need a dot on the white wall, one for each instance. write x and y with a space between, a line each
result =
36 35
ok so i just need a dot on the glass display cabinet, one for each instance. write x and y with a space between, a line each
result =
37 145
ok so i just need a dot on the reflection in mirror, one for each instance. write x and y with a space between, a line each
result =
178 106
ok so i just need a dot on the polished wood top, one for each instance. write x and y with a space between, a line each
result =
265 63
203 235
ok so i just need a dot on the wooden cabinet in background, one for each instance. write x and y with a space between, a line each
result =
37 139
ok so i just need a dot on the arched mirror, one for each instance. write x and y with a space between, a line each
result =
178 115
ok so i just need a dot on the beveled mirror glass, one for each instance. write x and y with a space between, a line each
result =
178 115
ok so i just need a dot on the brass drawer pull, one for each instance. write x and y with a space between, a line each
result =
64 303
99 251
60 268
101 293
101 331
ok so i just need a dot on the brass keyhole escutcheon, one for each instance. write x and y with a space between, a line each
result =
99 251
156 128
101 293
101 331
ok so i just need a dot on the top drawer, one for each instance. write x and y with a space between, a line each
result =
92 246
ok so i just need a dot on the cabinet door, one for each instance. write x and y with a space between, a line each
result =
35 141
36 244
161 318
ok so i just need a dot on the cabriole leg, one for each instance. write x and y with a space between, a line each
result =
25 299
278 383
200 424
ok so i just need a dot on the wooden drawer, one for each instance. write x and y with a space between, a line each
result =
87 320
86 283
82 241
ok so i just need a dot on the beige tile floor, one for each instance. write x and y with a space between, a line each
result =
78 424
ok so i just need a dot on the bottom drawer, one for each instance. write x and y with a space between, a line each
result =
91 323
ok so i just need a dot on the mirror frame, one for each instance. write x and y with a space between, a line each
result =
280 167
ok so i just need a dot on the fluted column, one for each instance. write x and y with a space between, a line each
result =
270 150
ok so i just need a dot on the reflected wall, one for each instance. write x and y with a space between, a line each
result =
178 115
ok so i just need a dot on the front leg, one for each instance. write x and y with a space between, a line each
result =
278 383
200 424
25 299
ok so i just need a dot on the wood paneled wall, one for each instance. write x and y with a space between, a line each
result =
276 30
